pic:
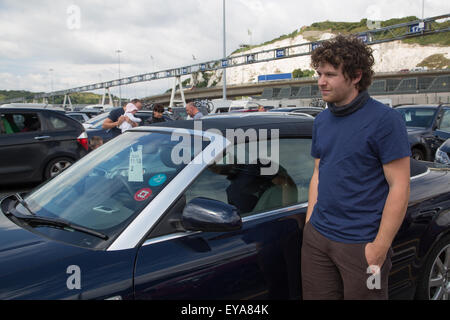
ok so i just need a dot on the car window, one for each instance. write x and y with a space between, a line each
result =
243 185
445 121
77 117
179 114
11 123
58 123
144 116
417 117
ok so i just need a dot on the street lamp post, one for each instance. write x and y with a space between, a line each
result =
224 56
423 8
120 89
51 85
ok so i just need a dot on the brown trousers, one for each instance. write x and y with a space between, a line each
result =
333 271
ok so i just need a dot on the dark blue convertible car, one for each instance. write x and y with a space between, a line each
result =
211 209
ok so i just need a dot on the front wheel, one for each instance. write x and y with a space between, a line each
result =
56 166
435 279
417 154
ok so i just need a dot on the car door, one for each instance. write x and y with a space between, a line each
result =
22 145
259 261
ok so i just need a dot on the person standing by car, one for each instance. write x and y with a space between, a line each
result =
193 111
359 190
157 116
95 142
116 118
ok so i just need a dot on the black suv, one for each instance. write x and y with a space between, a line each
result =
37 143
428 127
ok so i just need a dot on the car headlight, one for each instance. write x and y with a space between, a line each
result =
442 157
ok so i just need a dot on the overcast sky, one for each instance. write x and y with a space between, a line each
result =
78 39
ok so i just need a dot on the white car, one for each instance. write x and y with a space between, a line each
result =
104 108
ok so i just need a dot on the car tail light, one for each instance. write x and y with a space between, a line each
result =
83 140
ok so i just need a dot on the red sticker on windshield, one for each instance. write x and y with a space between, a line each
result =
143 194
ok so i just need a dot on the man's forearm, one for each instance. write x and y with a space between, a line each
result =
312 196
109 125
313 190
393 216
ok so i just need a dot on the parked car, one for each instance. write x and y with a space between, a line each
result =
308 110
37 144
241 105
33 105
443 153
220 105
95 120
79 116
97 130
139 219
99 107
91 112
179 113
428 127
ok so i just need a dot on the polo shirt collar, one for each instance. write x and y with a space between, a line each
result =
356 104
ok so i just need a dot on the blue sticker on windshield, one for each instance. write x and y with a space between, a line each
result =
157 180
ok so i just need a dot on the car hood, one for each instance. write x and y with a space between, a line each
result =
31 264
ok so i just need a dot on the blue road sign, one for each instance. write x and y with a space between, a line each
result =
250 58
364 38
315 45
418 27
280 53
224 63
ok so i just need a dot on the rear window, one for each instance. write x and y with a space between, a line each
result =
58 123
11 123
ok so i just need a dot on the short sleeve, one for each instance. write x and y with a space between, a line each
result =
114 114
391 138
314 148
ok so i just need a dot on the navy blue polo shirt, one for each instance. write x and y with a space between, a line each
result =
114 115
352 188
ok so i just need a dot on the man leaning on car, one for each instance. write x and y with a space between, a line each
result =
359 190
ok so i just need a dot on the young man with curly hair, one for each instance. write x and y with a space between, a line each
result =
359 190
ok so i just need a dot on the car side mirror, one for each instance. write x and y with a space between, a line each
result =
203 214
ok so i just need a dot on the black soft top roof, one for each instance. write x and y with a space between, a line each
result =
288 125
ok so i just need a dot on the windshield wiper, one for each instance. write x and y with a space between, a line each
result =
23 203
57 222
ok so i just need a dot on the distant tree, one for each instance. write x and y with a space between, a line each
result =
299 73
186 82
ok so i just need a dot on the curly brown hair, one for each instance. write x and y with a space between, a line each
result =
351 53
158 108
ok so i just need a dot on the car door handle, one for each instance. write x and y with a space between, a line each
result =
425 215
41 138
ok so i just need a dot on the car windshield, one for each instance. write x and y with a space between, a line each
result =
417 117
106 189
179 113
